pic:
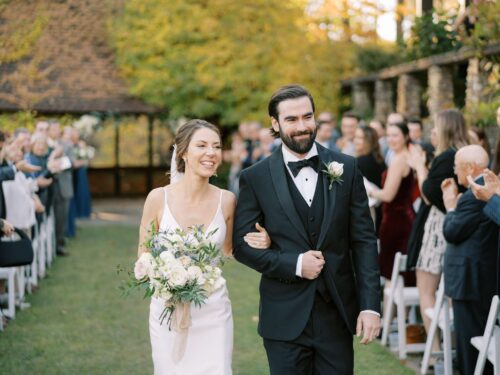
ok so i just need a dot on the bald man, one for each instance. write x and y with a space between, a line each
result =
470 273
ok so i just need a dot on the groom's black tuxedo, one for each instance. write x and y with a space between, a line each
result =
341 228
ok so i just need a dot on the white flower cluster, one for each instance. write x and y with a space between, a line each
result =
175 264
86 125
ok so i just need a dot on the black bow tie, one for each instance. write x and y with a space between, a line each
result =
296 166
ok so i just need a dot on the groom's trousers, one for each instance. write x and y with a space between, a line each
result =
325 347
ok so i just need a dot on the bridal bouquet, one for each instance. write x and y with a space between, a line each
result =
181 268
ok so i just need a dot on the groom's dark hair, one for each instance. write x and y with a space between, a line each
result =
282 94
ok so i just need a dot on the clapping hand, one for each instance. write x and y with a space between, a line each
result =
258 240
491 186
450 193
417 157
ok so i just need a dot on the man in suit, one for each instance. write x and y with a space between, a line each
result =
320 280
63 183
470 260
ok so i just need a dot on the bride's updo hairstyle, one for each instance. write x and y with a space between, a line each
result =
183 138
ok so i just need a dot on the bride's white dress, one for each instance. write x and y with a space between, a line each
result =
210 338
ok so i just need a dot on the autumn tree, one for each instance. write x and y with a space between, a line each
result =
222 59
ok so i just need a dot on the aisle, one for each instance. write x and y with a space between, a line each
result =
80 324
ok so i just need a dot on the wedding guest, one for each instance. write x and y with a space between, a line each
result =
22 137
392 119
489 193
42 127
479 137
250 133
324 135
396 194
370 162
426 239
38 156
63 184
235 156
348 126
378 126
264 145
79 205
417 137
327 117
471 255
21 202
495 165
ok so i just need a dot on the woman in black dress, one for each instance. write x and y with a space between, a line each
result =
370 161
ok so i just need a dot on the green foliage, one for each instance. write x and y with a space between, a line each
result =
373 57
22 119
486 26
221 60
432 34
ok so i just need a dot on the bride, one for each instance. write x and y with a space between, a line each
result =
190 200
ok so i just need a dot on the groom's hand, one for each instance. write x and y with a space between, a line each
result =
370 325
312 264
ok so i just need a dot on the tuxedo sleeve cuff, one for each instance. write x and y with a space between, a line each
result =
371 312
298 269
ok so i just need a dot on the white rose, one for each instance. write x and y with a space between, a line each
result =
195 273
336 169
143 266
185 260
178 276
167 256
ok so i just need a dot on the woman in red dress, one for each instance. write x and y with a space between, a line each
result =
398 184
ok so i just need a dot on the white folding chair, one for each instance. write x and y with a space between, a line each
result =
441 316
489 344
9 274
39 250
403 297
50 237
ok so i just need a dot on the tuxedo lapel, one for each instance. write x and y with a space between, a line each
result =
329 196
277 169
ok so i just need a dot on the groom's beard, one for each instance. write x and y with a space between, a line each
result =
299 146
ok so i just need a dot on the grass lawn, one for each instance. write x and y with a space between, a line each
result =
80 324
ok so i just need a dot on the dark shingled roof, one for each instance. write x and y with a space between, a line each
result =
70 67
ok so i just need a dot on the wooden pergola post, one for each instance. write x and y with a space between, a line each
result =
116 125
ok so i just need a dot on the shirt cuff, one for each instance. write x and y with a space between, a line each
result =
298 269
371 312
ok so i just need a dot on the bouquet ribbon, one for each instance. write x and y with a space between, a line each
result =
181 321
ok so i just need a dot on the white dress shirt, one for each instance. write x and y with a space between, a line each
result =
305 181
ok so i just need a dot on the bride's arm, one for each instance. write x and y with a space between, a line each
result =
257 240
228 207
150 215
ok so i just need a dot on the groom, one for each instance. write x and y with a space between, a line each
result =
320 279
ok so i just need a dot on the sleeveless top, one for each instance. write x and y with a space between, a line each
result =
218 222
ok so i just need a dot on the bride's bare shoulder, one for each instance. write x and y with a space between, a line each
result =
155 196
228 201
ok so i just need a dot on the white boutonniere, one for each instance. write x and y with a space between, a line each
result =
334 171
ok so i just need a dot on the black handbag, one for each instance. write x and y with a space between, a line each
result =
16 253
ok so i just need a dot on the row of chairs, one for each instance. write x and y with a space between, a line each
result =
441 317
20 280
